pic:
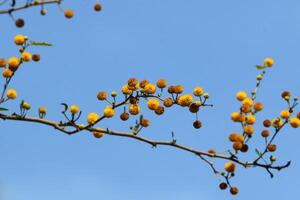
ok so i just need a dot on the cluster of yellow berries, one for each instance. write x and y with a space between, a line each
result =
134 90
246 116
11 65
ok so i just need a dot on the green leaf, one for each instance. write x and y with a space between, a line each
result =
141 118
257 152
65 107
260 67
33 43
3 109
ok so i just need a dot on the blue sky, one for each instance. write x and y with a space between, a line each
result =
214 44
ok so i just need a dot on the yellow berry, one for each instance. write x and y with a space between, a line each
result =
81 126
26 56
295 122
42 110
13 63
7 73
126 90
259 77
185 100
285 114
153 104
237 117
109 112
229 167
250 119
248 102
269 62
114 93
26 106
235 137
134 109
92 118
74 109
241 95
206 95
198 91
11 94
249 130
149 88
19 39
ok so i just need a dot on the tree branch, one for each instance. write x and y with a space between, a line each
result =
28 5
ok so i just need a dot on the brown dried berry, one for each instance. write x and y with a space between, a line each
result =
160 110
98 7
143 83
285 94
19 23
223 186
197 124
36 57
298 115
272 147
267 123
234 190
171 89
134 100
194 108
124 116
245 148
265 133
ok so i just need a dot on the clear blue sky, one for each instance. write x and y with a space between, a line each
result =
215 44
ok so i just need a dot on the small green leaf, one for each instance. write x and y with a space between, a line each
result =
260 67
33 43
141 118
65 107
257 152
3 109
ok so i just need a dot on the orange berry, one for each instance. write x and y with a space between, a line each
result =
69 13
265 133
234 190
97 7
162 83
